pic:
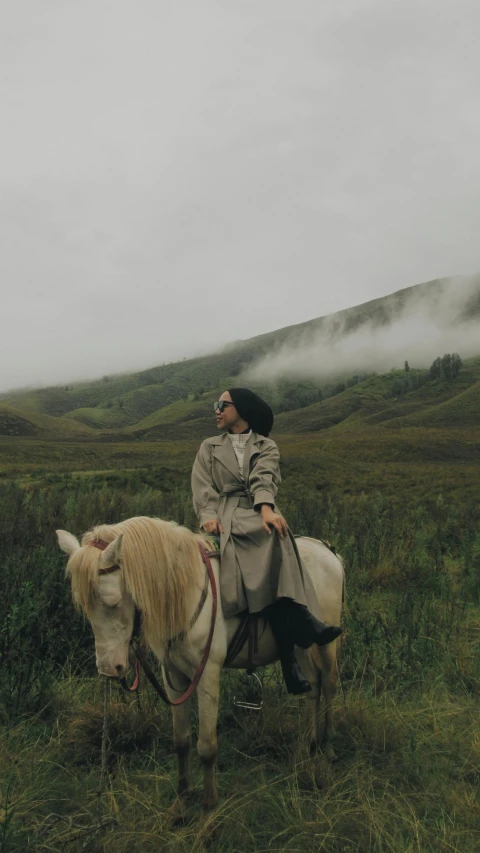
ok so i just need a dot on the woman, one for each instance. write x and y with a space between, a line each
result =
235 479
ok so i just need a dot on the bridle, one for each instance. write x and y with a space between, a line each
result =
139 649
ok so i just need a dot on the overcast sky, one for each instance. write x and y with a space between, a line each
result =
174 175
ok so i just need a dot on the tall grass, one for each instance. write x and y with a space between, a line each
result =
407 725
407 779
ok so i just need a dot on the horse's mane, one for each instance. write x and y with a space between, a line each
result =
159 562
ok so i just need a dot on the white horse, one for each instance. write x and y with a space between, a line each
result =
156 568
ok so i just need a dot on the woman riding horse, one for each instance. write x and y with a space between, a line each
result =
235 479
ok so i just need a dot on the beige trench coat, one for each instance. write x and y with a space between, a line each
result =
256 568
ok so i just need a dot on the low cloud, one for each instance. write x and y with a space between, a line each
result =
416 325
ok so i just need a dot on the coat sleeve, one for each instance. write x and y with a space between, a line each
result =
205 496
264 478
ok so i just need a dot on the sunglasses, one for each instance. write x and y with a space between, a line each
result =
221 405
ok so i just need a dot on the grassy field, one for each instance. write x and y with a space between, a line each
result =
402 507
407 464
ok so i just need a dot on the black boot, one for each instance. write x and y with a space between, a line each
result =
306 629
295 681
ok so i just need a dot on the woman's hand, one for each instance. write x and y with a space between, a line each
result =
213 527
273 519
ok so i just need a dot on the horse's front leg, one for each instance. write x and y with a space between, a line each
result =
208 699
181 739
182 742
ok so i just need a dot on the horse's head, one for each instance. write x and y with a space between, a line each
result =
98 589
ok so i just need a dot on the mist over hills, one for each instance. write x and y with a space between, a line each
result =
295 367
412 324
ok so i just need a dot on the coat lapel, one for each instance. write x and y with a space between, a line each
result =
224 452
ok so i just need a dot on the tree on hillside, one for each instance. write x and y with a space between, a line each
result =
436 368
294 395
447 367
407 367
456 364
408 382
352 381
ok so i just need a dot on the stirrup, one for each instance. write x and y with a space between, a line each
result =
245 703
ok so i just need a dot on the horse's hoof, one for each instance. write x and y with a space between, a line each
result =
208 805
321 778
330 754
208 827
178 812
306 779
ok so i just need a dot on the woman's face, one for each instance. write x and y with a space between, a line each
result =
229 418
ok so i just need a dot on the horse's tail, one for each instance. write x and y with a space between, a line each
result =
341 639
344 610
344 584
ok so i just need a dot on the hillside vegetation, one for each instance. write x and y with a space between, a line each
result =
152 401
374 402
19 423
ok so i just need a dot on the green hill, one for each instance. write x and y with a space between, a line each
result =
373 402
97 418
173 400
461 410
17 423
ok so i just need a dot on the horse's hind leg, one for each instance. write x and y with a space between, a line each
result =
327 660
312 673
314 715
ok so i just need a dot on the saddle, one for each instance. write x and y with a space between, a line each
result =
247 631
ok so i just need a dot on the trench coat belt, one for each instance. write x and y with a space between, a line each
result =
231 498
239 490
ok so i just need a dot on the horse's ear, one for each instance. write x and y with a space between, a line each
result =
67 541
111 555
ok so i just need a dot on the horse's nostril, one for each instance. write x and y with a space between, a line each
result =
119 668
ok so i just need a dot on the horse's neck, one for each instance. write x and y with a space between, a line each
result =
199 579
198 583
193 600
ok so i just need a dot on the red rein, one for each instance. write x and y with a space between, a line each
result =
101 545
199 671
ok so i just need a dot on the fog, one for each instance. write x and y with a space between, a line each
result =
433 321
178 176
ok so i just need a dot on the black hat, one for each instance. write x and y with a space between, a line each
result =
252 409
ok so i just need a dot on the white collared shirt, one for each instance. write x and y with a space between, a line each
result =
239 441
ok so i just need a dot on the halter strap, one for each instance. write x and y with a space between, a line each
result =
99 543
102 545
